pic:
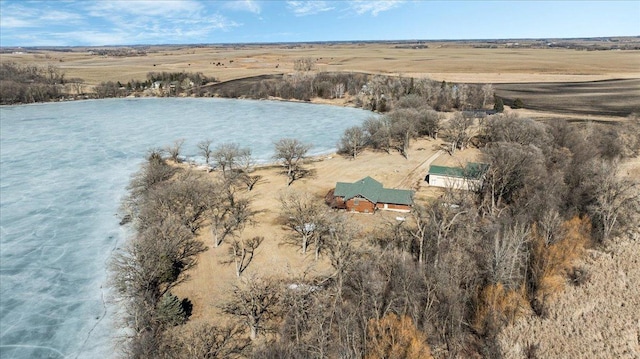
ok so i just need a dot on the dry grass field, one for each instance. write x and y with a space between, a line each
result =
447 61
600 319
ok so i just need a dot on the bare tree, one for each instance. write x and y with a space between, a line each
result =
187 199
229 213
435 224
210 341
338 90
487 94
511 128
205 150
228 157
152 173
512 170
241 253
255 302
246 164
429 123
404 128
617 201
459 131
341 248
303 64
378 132
147 268
76 84
175 149
305 216
291 152
507 257
353 141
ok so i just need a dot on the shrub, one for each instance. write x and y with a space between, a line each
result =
170 311
498 306
551 260
396 337
517 103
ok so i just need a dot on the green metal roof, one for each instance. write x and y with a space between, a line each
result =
471 170
373 191
446 171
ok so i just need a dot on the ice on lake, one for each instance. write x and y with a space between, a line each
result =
64 168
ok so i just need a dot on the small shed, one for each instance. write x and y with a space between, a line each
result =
469 178
368 195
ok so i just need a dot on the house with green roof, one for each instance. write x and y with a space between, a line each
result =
368 195
469 178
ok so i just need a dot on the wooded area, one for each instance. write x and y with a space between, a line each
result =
443 283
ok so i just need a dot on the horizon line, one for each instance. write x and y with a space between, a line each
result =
331 42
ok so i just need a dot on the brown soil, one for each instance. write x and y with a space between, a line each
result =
619 97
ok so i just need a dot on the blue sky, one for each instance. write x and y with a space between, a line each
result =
120 22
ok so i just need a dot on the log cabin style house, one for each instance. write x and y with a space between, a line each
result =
368 195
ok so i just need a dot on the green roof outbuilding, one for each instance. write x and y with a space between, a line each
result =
472 170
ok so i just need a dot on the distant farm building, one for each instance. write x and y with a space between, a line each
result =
469 178
368 195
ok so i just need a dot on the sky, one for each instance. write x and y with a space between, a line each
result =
141 22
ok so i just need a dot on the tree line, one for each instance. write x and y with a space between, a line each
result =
168 208
165 83
30 83
372 92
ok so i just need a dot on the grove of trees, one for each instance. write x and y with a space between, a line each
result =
30 83
442 283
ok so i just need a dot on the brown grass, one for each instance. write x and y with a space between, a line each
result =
498 306
600 319
551 262
396 337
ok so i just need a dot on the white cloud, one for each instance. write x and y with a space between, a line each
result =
303 8
59 16
169 8
18 16
10 22
148 22
244 5
373 7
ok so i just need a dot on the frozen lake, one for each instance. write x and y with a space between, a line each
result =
64 168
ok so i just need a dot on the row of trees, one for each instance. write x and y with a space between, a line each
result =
169 207
374 92
30 83
168 83
411 119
